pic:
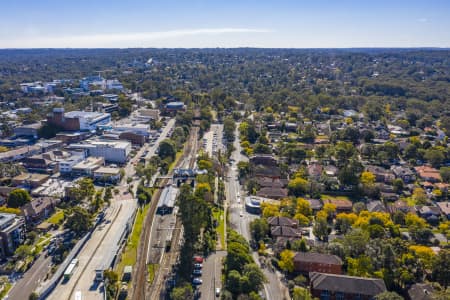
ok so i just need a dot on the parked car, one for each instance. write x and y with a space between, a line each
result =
198 266
197 272
197 281
217 292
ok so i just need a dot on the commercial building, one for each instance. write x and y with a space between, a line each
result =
111 151
104 174
30 130
87 166
30 180
77 120
65 165
12 233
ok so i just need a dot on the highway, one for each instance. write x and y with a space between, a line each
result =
105 238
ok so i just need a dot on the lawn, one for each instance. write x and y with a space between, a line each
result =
57 217
177 158
129 255
219 215
152 269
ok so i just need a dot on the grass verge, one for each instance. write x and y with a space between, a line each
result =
219 216
56 218
152 269
128 257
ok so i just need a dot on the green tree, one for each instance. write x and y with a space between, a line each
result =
167 149
259 229
298 186
435 157
33 296
183 292
388 296
286 262
445 174
300 293
320 228
441 268
79 220
255 276
18 198
234 282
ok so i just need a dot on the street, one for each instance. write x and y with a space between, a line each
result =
31 279
212 275
240 219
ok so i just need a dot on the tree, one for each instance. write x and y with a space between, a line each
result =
320 228
167 149
259 229
435 157
304 207
441 267
300 293
388 296
183 292
367 178
79 221
33 296
255 276
361 266
23 251
298 186
286 262
229 126
18 198
445 174
234 282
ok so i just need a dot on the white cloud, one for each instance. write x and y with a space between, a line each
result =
139 39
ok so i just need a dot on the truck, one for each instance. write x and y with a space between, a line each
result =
70 269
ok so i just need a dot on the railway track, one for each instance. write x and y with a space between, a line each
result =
139 290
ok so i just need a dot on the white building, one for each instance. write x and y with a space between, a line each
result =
89 120
65 165
141 129
111 151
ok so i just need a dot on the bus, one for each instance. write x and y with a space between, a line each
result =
69 271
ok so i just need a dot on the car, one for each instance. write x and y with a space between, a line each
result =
241 214
197 272
197 281
198 266
217 292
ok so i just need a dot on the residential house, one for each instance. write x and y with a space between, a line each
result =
399 205
38 209
445 208
285 231
341 287
430 213
306 262
381 174
273 193
404 173
315 170
342 205
376 206
282 221
428 173
315 204
421 291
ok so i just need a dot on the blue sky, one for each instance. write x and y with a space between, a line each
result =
224 23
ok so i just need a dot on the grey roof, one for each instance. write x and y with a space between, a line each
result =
285 231
168 196
376 206
347 284
420 291
282 221
317 258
